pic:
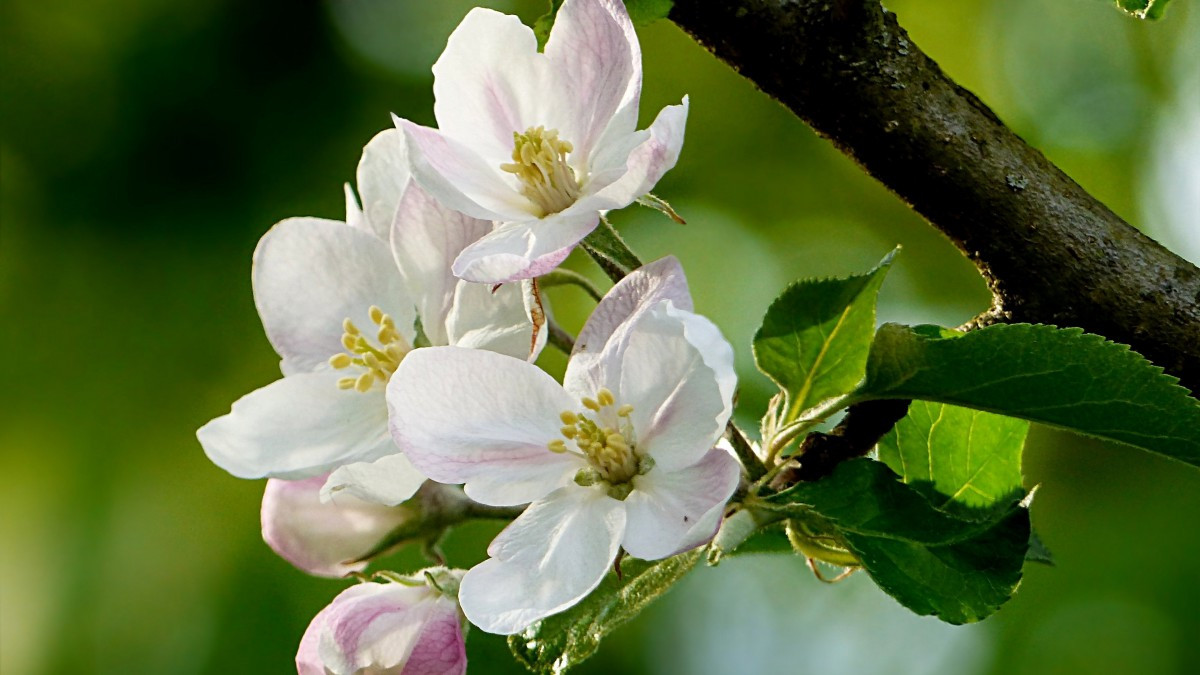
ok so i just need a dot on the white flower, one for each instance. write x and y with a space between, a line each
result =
540 142
321 536
620 456
340 307
411 627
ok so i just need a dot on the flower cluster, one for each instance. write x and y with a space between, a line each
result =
408 333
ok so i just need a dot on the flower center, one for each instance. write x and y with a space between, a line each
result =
540 163
604 437
377 362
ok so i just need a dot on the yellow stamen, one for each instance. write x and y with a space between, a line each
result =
540 164
609 450
378 362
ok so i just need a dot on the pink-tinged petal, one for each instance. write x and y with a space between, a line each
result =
308 656
298 427
489 82
641 289
648 162
441 648
382 177
483 419
459 178
493 320
679 410
596 59
426 238
673 511
310 275
547 560
389 481
523 250
373 627
320 537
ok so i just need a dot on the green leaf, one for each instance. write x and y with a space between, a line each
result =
1143 9
966 462
815 337
564 640
1061 377
541 27
932 563
640 12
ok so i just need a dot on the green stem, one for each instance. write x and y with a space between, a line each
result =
565 277
559 338
811 418
610 252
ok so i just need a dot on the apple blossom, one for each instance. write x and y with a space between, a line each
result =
540 142
343 311
621 455
411 626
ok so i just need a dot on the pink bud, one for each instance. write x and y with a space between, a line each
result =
387 629
320 537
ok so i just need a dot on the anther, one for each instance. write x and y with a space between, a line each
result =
569 432
347 382
340 361
364 382
605 397
568 417
557 446
349 327
624 410
590 404
376 314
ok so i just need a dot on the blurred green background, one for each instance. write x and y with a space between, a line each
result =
147 144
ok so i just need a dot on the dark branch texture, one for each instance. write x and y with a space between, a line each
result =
1050 252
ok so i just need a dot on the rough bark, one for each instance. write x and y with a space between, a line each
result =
1050 252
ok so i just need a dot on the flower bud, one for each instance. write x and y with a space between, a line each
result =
321 537
413 625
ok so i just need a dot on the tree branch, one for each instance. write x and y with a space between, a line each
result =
1050 252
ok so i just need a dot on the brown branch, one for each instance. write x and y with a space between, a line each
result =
1050 252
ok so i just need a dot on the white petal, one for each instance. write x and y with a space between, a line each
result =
297 427
382 177
388 480
495 321
489 82
666 507
426 237
597 63
480 418
311 274
319 537
373 627
459 178
716 351
538 313
547 560
641 289
523 250
648 161
354 214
